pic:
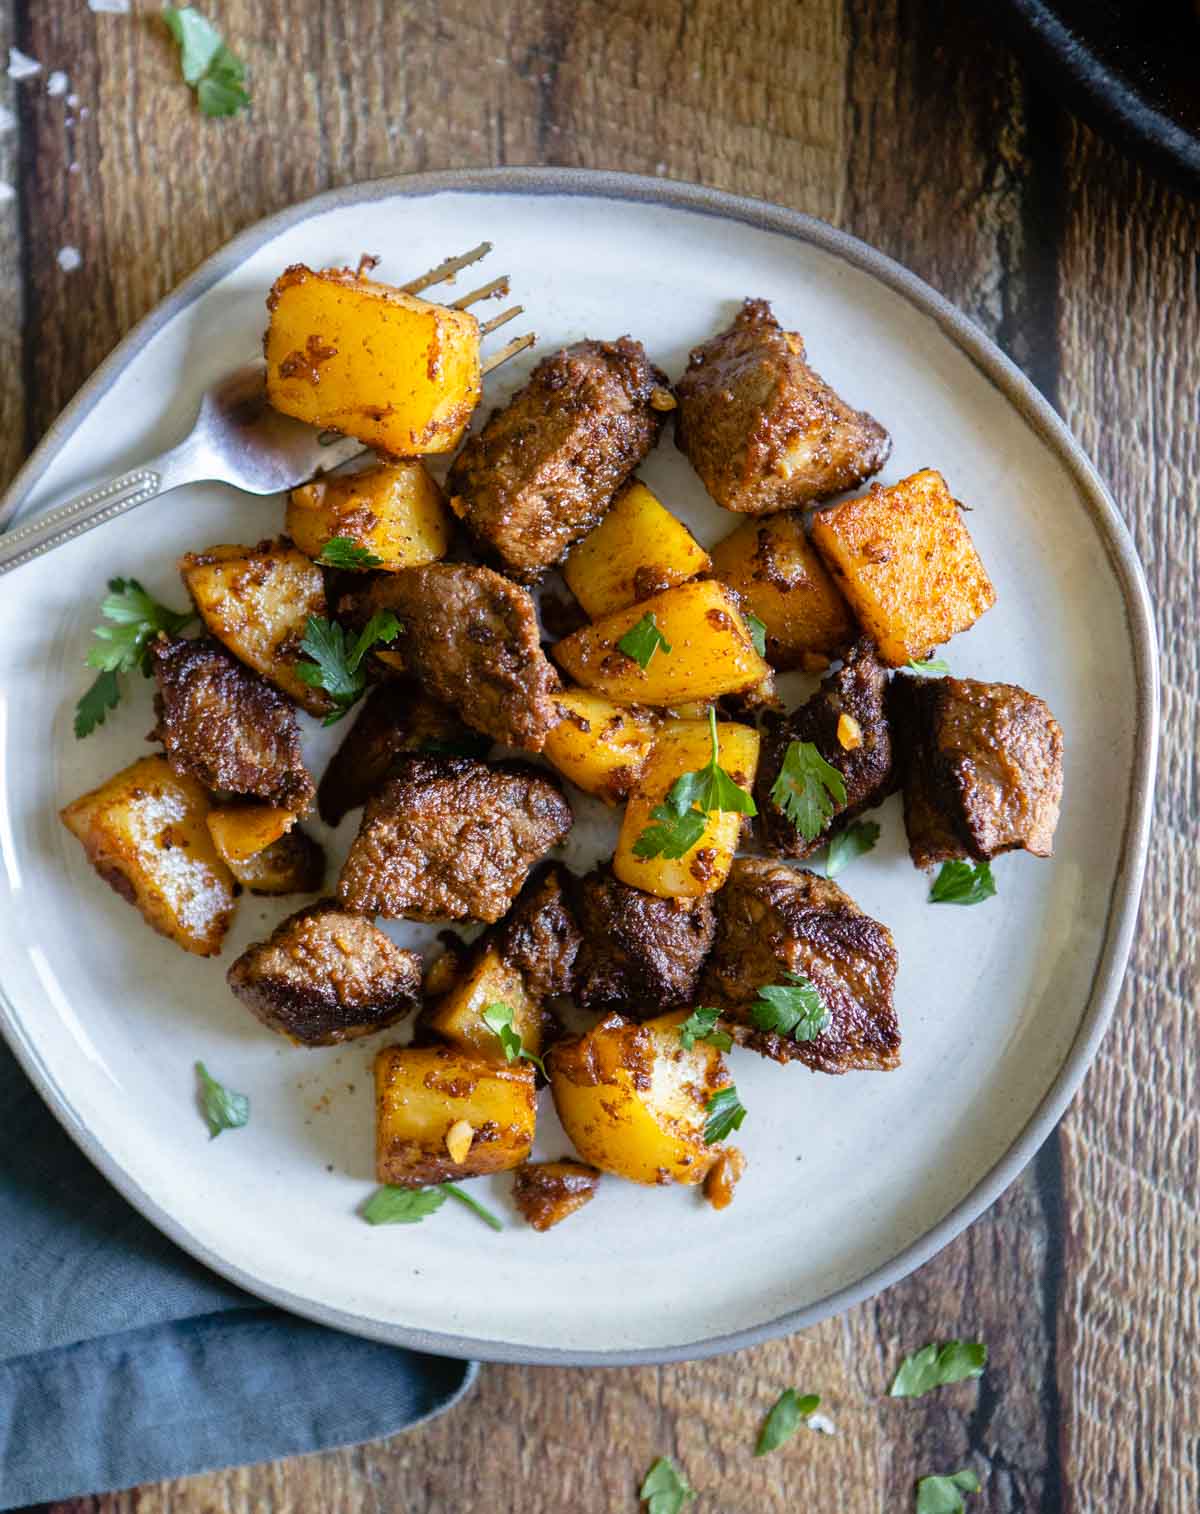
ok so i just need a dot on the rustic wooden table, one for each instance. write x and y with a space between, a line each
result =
913 127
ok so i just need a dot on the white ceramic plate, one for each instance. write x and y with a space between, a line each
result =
853 1181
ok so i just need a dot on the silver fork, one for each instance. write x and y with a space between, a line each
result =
237 439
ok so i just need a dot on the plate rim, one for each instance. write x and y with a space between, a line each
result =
1034 408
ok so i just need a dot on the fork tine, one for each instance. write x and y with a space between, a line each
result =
496 289
510 349
500 320
444 272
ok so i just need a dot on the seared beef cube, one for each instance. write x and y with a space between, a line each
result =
546 1193
448 838
325 976
846 720
765 432
543 470
395 717
540 937
773 919
640 954
227 726
982 769
470 638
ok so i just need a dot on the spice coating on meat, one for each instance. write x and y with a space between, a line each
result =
983 769
544 470
640 954
325 976
448 838
846 720
774 919
540 937
546 1193
470 638
765 432
226 726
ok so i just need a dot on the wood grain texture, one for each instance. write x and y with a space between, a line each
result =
904 122
12 390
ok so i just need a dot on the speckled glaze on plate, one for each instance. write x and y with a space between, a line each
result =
853 1181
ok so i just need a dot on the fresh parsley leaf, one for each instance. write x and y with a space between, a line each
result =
758 634
642 641
217 76
808 789
962 883
93 707
464 746
672 835
786 1416
409 1206
336 664
792 1008
855 841
930 665
665 1489
345 552
944 1494
701 1025
725 1114
693 796
123 646
499 1020
934 1366
223 1109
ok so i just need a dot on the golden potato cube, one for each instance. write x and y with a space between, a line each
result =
638 550
257 600
421 1093
600 746
904 559
144 833
395 511
775 571
633 1102
239 831
684 746
711 649
488 979
358 356
294 864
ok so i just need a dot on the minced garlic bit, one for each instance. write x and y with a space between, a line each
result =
458 1140
849 733
661 399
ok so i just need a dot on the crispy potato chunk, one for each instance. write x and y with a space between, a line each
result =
906 562
684 746
144 833
634 1103
638 550
241 831
711 649
424 1092
546 1193
295 864
600 746
349 353
394 511
487 980
257 600
777 575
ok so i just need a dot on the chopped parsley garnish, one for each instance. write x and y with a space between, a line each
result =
665 1489
944 1494
642 641
499 1020
345 552
123 646
217 76
789 1412
792 1008
725 1114
409 1206
855 841
223 1109
808 789
758 634
930 665
962 883
701 1025
680 821
934 1366
337 658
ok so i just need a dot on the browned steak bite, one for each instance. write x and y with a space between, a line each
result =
543 470
231 729
470 638
773 919
846 720
765 432
540 937
448 838
396 717
982 769
325 976
546 1193
640 954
